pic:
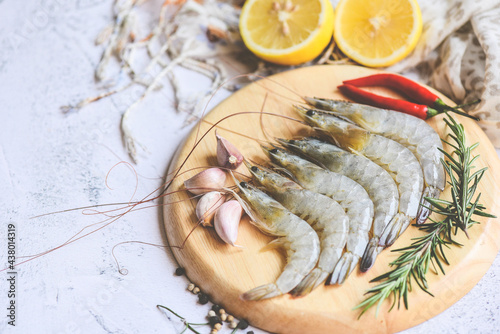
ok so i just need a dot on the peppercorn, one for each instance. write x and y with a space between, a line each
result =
224 317
222 311
243 324
190 287
233 324
218 326
214 320
202 298
250 332
230 318
215 308
180 271
196 290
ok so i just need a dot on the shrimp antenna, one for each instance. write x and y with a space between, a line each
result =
335 114
283 171
296 150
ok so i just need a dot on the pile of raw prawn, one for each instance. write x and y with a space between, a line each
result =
340 199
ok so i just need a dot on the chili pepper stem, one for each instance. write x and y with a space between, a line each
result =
442 106
431 112
456 111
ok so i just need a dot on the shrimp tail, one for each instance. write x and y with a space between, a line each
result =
344 268
370 255
424 208
262 292
394 229
309 283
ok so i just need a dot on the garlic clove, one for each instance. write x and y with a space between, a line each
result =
208 180
207 206
228 155
227 220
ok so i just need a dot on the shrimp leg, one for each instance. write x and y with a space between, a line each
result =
378 183
294 234
324 215
390 155
411 132
348 193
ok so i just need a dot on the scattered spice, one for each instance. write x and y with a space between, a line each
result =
196 290
233 324
243 324
203 298
211 313
224 317
216 308
190 287
180 271
214 320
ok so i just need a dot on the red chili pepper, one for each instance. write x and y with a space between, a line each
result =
406 107
412 90
418 110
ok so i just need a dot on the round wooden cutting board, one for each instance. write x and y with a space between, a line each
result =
224 272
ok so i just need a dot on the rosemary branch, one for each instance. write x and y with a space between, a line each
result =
188 325
414 260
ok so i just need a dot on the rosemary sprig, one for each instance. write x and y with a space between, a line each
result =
188 325
414 261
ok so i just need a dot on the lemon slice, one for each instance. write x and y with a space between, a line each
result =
377 32
286 32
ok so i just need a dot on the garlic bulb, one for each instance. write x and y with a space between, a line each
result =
205 181
227 220
228 155
207 206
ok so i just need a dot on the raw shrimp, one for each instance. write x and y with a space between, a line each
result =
378 183
390 155
350 195
324 215
411 132
294 234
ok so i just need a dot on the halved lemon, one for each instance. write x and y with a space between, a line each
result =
288 32
377 32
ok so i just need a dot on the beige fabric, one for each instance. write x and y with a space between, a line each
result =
459 55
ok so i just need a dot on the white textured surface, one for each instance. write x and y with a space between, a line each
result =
50 161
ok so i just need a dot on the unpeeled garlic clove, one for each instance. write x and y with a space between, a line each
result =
227 220
228 155
207 206
206 181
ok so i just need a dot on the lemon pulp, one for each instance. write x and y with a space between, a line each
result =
377 32
286 32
